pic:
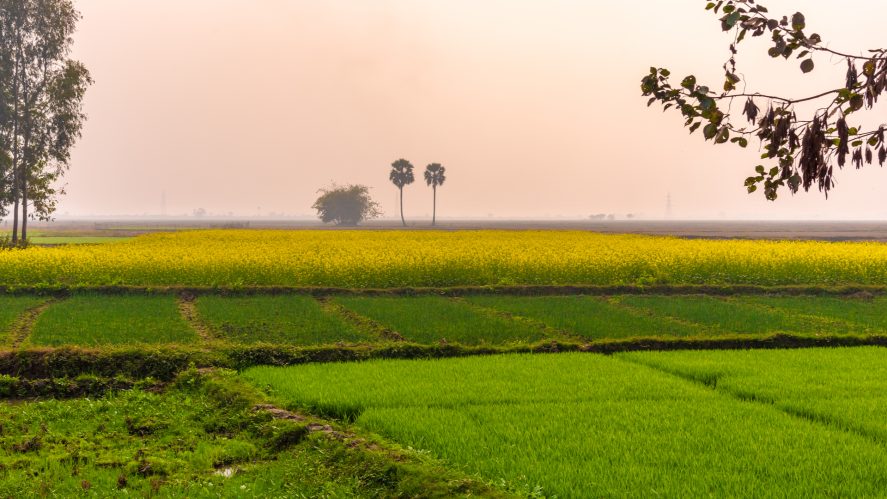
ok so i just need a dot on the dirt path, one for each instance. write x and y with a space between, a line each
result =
22 327
188 309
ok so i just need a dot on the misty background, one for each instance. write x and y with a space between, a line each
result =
247 107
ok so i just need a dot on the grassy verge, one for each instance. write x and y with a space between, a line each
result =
486 290
204 437
164 362
94 320
586 425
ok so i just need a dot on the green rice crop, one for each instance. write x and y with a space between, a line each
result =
91 319
869 315
582 425
846 387
11 308
430 319
588 317
276 319
726 315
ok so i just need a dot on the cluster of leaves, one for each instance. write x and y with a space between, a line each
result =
804 149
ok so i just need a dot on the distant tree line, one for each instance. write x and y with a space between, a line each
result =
41 96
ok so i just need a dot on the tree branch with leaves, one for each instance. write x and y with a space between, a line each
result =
802 150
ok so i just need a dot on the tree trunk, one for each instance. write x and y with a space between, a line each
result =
15 217
15 151
402 220
434 209
24 209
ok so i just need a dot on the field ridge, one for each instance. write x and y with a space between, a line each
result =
187 306
547 330
22 327
359 321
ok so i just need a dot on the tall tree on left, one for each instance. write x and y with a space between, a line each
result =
41 106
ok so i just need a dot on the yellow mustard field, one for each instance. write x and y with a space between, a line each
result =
362 259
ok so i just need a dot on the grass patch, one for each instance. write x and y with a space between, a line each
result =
297 320
857 314
719 315
430 319
586 425
11 309
201 438
95 320
846 387
588 317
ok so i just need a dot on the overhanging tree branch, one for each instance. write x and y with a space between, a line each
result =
806 150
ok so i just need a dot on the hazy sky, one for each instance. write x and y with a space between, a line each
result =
533 106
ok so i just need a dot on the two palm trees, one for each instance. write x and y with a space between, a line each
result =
402 175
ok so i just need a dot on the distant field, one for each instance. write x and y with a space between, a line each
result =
386 259
581 425
433 319
297 320
58 240
94 319
91 320
588 317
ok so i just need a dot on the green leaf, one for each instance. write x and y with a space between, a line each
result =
759 168
798 21
689 82
807 65
730 20
710 131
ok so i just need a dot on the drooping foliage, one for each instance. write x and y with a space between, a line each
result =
803 149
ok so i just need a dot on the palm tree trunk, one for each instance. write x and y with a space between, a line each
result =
434 209
402 220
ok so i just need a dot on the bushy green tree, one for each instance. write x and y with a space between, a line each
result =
347 205
41 95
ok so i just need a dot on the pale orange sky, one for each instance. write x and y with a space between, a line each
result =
533 106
